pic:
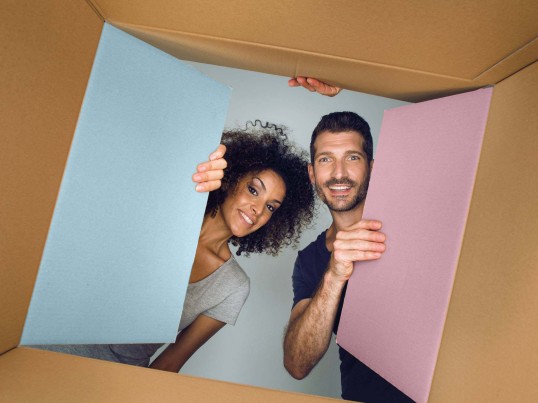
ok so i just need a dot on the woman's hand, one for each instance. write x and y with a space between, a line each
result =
314 85
208 174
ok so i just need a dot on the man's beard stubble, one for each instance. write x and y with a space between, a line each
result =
351 204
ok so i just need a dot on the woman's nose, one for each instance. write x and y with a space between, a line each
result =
256 208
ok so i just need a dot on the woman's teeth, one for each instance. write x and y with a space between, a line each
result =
246 218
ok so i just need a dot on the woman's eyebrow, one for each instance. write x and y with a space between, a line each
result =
261 183
263 186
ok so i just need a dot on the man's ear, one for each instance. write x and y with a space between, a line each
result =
371 165
311 174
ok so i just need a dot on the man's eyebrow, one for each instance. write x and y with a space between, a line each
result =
324 153
356 152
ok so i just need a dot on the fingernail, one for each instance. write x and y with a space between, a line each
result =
212 157
197 177
202 168
199 188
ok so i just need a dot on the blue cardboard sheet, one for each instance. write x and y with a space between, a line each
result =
122 240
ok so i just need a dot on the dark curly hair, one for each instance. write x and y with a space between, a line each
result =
253 150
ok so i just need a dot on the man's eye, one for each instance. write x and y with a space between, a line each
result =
253 191
323 159
354 157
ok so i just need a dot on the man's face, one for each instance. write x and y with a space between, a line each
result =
340 171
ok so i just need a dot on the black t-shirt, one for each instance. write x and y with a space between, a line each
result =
359 382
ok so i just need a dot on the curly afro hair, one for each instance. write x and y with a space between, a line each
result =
254 150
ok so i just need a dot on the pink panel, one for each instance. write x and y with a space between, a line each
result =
421 188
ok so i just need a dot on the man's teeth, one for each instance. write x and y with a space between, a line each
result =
339 187
246 218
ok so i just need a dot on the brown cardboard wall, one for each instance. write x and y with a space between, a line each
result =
489 350
26 376
50 48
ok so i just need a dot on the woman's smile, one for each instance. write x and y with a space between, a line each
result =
245 217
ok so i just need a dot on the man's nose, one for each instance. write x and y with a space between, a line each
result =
339 170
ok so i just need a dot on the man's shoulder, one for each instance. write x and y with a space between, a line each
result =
314 245
314 248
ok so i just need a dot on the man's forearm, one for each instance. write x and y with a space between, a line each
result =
308 335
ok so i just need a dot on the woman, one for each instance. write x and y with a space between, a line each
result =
260 204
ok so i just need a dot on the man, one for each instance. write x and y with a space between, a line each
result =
341 161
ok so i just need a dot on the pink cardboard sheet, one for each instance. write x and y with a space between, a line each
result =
421 188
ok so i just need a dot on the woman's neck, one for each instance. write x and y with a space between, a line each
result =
212 250
214 233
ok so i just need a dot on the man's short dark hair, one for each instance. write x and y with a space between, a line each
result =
344 122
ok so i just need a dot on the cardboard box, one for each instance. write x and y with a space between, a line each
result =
412 51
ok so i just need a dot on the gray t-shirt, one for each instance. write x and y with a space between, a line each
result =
220 296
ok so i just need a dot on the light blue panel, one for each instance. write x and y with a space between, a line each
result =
125 227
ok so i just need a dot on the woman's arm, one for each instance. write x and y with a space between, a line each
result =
187 342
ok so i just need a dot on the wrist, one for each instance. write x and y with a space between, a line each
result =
333 281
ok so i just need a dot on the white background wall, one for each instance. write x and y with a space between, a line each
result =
251 351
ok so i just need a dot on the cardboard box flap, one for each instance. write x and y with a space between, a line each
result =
125 228
383 80
489 346
452 40
421 188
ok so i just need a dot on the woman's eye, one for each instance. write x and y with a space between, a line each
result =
252 191
270 208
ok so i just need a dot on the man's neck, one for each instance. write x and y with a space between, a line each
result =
342 220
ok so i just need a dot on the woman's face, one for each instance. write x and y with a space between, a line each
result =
255 199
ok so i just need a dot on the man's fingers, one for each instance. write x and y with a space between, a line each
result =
359 245
348 256
292 82
361 234
314 85
371 225
303 81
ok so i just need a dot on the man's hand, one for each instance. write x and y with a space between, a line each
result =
208 174
359 242
314 85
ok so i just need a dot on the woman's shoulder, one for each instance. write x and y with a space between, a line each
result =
235 272
230 277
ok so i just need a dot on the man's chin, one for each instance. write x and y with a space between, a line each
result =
343 204
341 207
